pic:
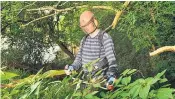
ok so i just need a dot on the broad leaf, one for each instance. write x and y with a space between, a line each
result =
126 80
164 93
7 75
144 91
52 73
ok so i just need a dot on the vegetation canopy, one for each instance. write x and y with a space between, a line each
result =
39 38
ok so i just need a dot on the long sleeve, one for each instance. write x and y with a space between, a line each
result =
110 54
78 60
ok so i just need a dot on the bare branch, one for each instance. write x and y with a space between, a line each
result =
38 19
118 14
26 7
64 10
29 5
162 49
64 3
71 8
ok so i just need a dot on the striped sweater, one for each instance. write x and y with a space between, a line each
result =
90 51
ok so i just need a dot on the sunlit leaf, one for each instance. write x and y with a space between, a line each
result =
126 80
160 74
132 71
144 91
52 73
7 75
164 93
135 91
34 87
125 72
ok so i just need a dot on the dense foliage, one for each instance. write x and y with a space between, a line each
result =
40 86
29 29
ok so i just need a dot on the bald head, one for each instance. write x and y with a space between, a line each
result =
85 17
88 22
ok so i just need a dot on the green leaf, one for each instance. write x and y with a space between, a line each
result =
89 96
102 94
95 61
14 92
94 92
134 83
90 66
7 75
97 85
167 85
164 93
99 72
38 74
24 96
132 71
116 94
62 18
118 81
141 81
163 80
152 94
37 91
154 80
78 85
52 73
135 91
34 86
126 80
160 74
77 94
151 80
124 94
144 91
125 72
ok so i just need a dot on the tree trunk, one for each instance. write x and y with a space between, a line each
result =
66 50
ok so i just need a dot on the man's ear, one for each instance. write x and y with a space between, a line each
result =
96 22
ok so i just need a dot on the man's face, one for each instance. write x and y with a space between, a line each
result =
88 25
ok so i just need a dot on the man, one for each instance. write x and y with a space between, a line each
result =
91 49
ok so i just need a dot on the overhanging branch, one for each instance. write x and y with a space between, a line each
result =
118 14
162 49
38 19
66 9
71 8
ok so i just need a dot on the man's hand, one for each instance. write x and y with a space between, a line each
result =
68 69
110 83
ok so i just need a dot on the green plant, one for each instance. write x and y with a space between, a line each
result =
42 85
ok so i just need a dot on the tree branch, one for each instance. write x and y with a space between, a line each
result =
3 28
66 50
118 14
71 8
64 10
162 49
38 19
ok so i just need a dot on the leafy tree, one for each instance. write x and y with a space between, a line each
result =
32 27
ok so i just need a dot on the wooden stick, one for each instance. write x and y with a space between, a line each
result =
162 49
